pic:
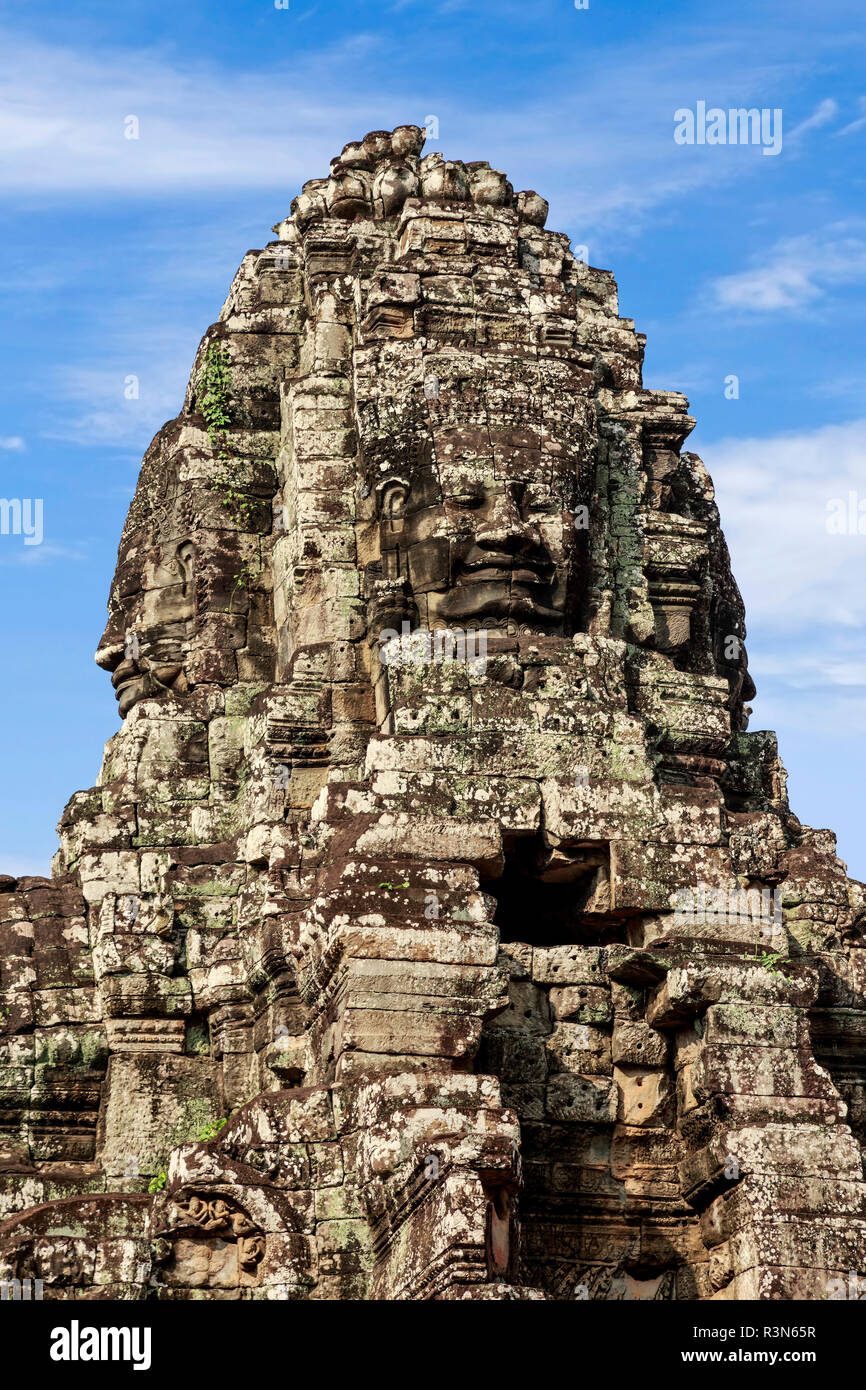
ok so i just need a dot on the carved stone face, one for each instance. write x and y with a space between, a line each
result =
480 464
146 639
476 550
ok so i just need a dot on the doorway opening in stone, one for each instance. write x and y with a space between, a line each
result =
557 899
551 1051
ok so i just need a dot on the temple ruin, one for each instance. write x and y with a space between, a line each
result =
436 928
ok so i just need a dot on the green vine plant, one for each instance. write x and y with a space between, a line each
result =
210 1131
244 579
214 393
770 960
214 402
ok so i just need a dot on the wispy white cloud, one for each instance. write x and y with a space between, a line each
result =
64 120
13 551
13 443
858 124
777 497
807 670
796 272
842 385
824 113
598 138
804 587
96 409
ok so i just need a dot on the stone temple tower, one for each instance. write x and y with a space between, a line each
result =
436 929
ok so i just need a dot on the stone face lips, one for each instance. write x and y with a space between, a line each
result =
436 928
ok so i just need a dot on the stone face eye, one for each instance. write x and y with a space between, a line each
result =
466 500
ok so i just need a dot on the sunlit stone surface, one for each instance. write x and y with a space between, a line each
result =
433 854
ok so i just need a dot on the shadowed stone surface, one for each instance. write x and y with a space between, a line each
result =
436 928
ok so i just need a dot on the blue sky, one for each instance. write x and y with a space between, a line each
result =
117 254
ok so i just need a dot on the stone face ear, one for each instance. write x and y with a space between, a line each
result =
392 502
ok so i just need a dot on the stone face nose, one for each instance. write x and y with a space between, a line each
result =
111 649
506 529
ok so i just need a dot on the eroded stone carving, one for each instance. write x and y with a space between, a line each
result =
507 965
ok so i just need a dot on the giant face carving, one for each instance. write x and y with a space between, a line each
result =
480 552
146 640
476 528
